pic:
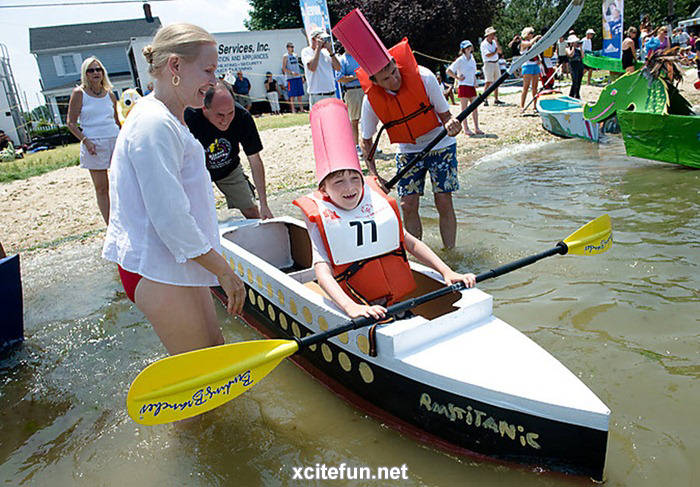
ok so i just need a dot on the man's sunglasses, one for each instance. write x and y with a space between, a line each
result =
94 70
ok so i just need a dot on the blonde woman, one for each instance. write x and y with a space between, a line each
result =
93 119
531 68
163 230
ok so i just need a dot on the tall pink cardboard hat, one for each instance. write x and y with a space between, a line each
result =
360 40
334 144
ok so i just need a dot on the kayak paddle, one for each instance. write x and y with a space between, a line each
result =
188 384
558 29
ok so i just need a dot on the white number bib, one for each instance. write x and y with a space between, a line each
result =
368 230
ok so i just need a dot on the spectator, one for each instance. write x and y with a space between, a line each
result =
7 149
272 93
531 68
628 51
93 119
662 36
292 72
490 52
319 64
562 58
463 69
547 68
587 45
447 89
222 126
241 88
575 54
162 231
353 94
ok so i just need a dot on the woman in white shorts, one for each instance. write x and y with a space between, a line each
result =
93 119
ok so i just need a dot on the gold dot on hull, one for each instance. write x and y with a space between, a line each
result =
251 296
280 297
344 361
363 344
271 312
261 303
292 306
307 315
322 323
327 352
283 321
295 329
366 373
344 338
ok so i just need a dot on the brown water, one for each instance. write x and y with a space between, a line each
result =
626 322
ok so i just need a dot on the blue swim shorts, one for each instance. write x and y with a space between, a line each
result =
442 164
295 87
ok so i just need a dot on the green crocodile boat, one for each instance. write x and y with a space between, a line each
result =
655 120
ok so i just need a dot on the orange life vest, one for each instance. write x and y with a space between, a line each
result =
379 277
411 102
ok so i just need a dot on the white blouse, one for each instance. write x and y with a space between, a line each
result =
162 210
465 67
97 117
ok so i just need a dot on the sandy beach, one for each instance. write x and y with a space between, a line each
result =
59 206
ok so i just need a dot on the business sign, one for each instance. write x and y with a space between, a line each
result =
613 13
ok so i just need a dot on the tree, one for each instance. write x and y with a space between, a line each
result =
435 29
273 14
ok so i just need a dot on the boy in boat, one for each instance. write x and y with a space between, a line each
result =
358 242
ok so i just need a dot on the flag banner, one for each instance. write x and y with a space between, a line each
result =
314 13
613 12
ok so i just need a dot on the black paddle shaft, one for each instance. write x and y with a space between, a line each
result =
465 113
362 322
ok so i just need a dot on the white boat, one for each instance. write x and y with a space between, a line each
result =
452 374
563 116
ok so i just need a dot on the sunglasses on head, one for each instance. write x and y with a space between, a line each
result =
94 70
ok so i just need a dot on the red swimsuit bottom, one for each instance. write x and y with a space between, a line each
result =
129 281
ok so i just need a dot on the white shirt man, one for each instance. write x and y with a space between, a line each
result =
490 51
319 64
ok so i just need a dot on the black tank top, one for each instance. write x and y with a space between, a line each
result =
627 58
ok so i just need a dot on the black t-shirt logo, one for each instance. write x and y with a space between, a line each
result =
218 153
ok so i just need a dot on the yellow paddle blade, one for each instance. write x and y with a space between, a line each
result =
185 385
595 237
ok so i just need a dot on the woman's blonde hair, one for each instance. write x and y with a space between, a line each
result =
84 83
526 31
182 39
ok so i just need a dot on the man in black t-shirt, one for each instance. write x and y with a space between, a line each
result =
221 126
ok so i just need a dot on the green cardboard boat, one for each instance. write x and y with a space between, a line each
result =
596 61
655 120
667 138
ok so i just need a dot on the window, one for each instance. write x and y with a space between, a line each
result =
67 64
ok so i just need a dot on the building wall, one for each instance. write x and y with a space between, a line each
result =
113 57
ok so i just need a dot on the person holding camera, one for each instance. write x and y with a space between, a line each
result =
319 63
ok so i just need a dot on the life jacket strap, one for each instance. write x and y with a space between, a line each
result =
421 110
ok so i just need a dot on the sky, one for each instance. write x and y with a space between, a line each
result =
213 15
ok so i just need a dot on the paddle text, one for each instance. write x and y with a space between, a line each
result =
198 398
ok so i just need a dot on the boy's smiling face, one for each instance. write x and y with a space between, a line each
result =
344 188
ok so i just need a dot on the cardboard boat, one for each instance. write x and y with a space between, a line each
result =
452 374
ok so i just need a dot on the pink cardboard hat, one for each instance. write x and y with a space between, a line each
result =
334 144
360 40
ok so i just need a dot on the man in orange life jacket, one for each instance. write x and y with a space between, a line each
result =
407 99
358 243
